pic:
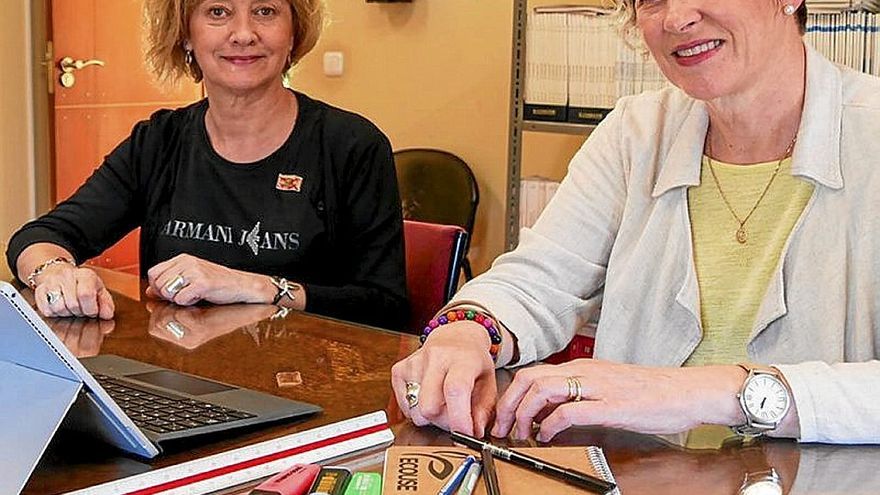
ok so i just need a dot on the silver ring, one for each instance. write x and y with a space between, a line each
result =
53 297
574 389
175 285
412 394
175 329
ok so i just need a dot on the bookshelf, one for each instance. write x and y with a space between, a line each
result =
518 125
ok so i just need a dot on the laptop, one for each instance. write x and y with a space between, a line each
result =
132 405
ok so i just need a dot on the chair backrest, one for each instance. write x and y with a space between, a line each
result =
437 187
434 253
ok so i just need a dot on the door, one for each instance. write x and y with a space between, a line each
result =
105 91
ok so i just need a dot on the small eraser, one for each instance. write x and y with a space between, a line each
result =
365 484
295 480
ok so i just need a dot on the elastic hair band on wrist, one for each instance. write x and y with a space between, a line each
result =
463 315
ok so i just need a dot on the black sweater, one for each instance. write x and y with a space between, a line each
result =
322 210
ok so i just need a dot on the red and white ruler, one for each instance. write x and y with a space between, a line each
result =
252 462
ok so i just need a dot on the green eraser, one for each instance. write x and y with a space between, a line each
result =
365 484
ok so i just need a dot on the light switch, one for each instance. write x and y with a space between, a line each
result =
333 64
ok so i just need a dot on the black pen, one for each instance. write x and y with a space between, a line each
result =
489 474
570 476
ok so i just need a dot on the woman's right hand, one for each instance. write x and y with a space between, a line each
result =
67 290
456 377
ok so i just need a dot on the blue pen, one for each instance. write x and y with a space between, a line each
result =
457 476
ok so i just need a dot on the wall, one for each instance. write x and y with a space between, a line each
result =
15 122
430 73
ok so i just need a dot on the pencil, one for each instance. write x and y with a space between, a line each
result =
489 474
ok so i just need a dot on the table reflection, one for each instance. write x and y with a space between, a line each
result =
190 327
82 336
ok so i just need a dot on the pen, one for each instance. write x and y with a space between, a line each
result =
454 480
489 475
470 480
570 476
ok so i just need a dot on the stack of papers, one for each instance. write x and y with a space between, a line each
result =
842 5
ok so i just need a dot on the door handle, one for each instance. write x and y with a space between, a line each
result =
68 65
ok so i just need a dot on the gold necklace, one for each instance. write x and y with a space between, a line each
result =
741 234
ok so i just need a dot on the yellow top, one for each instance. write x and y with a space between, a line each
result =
733 277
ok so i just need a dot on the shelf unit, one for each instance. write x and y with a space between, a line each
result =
518 125
557 127
514 147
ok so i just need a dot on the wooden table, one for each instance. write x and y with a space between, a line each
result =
345 368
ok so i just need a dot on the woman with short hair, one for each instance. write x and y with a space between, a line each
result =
255 194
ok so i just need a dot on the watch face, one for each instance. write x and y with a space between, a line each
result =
766 398
765 487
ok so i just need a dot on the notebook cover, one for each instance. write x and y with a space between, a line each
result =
424 470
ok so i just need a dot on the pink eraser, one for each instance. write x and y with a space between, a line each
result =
295 480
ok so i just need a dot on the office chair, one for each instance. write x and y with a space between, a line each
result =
434 253
438 187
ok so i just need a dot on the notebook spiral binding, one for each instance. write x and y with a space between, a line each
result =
600 464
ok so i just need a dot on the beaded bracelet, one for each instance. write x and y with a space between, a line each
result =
467 314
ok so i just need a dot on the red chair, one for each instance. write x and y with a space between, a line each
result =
581 346
434 254
438 187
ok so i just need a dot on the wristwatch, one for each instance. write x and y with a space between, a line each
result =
764 399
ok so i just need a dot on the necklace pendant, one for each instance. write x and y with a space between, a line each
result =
741 236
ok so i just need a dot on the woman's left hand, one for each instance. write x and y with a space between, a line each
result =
636 398
186 280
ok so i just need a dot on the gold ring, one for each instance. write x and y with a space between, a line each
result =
412 394
574 389
175 285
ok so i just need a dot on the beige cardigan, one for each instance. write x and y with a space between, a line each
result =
617 235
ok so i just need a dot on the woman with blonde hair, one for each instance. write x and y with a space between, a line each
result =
728 229
255 194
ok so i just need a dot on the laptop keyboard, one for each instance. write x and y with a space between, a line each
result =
163 413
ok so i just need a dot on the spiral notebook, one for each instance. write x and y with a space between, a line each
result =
424 470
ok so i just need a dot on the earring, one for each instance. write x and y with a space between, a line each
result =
188 57
789 9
